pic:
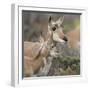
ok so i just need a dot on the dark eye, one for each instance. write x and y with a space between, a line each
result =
54 28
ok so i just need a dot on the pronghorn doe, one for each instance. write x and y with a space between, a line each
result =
36 53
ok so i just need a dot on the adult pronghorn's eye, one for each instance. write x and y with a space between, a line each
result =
54 28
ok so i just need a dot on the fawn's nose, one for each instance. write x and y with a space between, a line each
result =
65 38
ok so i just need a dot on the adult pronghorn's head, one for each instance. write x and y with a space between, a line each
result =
56 28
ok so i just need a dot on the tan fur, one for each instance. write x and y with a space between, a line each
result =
34 54
73 38
32 67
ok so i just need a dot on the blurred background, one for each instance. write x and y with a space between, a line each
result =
68 61
34 22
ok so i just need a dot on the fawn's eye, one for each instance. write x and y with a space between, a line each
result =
54 28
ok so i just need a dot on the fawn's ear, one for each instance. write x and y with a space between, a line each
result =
60 20
41 39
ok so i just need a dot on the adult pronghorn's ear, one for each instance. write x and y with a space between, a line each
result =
60 20
50 18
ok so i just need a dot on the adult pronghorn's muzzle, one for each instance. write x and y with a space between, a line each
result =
65 38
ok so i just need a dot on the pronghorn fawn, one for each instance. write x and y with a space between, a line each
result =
36 53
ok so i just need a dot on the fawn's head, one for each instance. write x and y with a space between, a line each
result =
56 27
47 43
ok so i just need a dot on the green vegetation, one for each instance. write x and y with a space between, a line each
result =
65 66
71 25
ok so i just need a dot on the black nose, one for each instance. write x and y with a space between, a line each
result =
54 28
65 38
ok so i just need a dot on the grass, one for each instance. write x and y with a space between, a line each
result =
65 66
